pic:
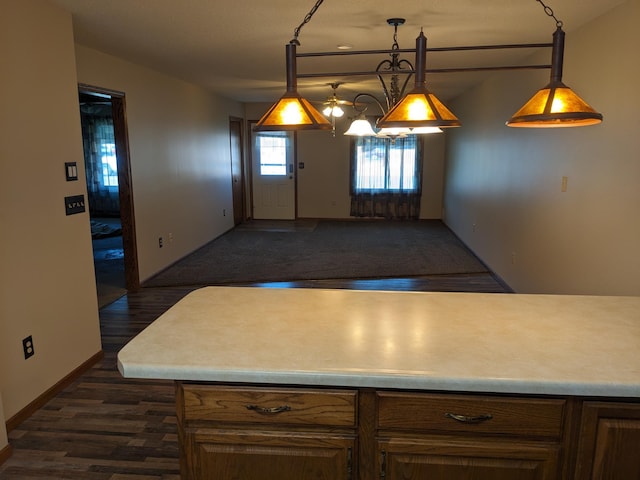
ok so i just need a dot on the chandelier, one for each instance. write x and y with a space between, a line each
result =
419 110
393 90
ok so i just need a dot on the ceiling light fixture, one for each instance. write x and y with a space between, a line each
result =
553 106
420 107
333 110
393 92
292 111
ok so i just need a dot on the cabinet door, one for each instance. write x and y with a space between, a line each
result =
272 456
483 459
609 446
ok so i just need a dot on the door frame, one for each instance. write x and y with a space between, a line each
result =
125 187
238 179
251 124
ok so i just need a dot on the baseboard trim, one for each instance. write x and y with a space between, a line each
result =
39 402
5 453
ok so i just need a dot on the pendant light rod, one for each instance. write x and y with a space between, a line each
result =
546 66
430 71
292 77
557 55
435 49
421 59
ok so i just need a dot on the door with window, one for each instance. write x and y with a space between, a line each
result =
273 175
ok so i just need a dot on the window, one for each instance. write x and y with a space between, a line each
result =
272 149
384 166
109 164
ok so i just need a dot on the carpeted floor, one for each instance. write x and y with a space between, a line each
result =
321 250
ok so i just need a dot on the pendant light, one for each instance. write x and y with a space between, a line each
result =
292 111
555 105
360 127
420 107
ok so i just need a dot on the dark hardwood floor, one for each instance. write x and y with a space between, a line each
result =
106 427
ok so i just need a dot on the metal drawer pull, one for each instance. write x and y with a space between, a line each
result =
269 411
467 419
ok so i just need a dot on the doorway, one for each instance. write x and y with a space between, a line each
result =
273 175
109 195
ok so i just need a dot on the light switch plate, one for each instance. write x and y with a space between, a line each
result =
74 204
71 171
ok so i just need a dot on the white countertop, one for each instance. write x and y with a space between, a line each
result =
511 343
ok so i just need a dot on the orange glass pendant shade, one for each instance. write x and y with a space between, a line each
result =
555 105
420 107
292 111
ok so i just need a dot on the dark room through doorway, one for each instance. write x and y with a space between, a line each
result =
106 166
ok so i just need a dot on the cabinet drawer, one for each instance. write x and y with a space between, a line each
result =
276 406
471 414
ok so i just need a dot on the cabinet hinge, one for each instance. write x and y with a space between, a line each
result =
383 464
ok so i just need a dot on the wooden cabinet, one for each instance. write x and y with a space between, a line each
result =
609 445
442 437
258 432
263 433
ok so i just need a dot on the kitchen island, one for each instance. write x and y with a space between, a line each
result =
295 383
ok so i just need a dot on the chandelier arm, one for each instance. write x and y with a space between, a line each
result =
385 91
382 63
403 61
387 65
355 102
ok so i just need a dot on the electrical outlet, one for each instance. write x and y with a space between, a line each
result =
160 242
563 186
27 347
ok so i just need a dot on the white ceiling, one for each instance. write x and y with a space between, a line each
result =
237 48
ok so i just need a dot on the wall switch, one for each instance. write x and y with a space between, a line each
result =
160 242
27 347
71 171
74 204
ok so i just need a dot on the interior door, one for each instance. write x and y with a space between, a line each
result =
273 175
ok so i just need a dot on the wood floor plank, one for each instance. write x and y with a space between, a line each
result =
105 427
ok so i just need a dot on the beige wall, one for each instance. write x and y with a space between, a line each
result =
323 184
179 146
507 182
180 162
47 286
